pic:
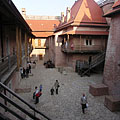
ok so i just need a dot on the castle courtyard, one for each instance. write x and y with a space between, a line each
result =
66 105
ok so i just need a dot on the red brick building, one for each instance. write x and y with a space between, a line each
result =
42 27
14 43
111 77
112 61
82 33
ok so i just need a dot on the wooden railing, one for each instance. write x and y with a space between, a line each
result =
82 48
13 112
84 68
6 63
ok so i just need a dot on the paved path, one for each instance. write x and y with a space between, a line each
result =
66 105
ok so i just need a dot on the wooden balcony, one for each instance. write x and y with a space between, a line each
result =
6 64
82 49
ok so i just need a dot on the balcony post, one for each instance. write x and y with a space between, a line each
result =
17 46
20 46
26 47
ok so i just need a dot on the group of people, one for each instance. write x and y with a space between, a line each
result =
25 72
56 86
38 93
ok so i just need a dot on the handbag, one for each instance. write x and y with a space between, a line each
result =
38 94
86 105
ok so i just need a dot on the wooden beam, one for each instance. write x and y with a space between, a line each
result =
26 46
17 46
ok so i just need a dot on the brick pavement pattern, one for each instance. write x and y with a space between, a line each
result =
66 105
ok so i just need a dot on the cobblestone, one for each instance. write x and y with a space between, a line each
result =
66 105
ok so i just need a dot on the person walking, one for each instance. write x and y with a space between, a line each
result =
83 103
41 88
56 85
36 96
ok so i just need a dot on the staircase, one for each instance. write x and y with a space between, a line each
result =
95 62
16 108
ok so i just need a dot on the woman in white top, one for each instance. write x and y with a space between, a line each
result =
83 102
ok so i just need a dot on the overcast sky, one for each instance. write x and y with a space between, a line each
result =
44 7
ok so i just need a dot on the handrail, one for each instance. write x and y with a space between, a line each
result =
95 62
17 106
22 100
11 111
6 57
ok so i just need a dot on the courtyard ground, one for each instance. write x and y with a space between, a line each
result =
66 105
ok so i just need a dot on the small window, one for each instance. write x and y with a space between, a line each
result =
88 42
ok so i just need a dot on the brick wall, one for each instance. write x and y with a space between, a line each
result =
112 68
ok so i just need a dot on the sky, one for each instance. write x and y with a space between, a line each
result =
44 7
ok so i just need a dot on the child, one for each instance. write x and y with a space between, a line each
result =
52 91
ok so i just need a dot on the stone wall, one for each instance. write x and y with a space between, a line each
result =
112 67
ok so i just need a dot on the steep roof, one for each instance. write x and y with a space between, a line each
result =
42 28
115 10
86 11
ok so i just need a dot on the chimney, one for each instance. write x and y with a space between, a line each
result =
24 12
67 14
62 17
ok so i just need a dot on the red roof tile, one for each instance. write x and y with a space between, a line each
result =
42 34
42 25
116 4
86 11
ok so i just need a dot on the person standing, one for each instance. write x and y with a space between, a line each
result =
36 97
24 72
83 103
21 72
56 85
29 68
27 72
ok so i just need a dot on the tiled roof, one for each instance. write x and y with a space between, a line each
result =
116 9
42 25
116 4
86 11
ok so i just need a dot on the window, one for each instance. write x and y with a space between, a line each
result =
88 42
